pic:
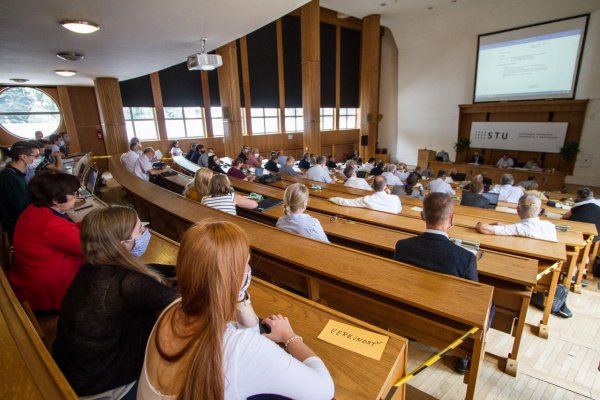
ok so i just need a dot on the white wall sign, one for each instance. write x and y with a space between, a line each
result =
547 137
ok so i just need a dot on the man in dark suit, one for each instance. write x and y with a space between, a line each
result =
473 197
434 251
586 209
476 159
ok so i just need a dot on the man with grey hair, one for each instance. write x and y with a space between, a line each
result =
506 191
319 172
353 181
390 175
530 224
381 200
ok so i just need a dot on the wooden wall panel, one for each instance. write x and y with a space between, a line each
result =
108 97
311 75
158 106
370 59
229 90
87 120
68 118
571 111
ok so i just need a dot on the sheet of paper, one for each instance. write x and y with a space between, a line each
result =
417 209
361 341
507 210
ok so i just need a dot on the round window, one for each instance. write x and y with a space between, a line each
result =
24 110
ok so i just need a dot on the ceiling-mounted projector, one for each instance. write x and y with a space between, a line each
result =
204 62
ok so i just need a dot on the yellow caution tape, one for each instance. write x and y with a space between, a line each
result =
547 270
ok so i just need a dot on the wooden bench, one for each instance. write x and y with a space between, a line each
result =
425 306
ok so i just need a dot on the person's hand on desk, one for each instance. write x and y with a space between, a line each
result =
282 333
156 171
486 229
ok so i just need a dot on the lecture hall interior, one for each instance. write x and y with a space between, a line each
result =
431 85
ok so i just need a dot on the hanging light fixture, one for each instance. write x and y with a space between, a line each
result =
80 26
65 72
69 56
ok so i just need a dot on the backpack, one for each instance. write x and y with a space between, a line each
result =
559 302
268 179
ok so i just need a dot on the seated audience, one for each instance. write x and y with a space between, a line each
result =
236 171
473 197
254 160
442 156
288 167
506 191
281 158
532 164
49 160
195 350
130 158
433 251
505 162
14 197
56 142
143 167
244 154
381 200
222 198
330 164
368 166
354 156
354 182
419 171
195 158
530 224
449 175
295 201
188 155
204 157
271 165
39 135
410 188
305 162
175 150
377 169
319 172
586 209
530 187
390 175
402 171
439 185
46 242
214 164
200 186
477 158
110 308
31 168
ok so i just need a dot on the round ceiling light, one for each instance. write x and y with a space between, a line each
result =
69 56
65 72
80 26
19 80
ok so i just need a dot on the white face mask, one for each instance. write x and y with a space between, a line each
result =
211 154
256 155
35 163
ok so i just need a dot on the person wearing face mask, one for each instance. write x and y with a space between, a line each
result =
244 154
254 160
143 167
214 164
47 251
175 150
204 157
33 167
110 308
56 142
14 197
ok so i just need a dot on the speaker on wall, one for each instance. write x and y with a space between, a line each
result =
364 140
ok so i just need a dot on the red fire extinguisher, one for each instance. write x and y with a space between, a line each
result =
99 134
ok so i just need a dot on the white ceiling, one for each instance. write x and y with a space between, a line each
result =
138 37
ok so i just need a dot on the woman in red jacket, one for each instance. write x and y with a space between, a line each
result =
46 242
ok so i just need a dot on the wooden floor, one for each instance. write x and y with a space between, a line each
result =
564 366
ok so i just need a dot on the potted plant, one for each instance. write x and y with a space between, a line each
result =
569 151
462 144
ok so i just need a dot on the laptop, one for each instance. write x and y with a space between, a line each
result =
493 198
90 185
259 172
268 203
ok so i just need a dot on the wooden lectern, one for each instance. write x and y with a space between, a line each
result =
424 157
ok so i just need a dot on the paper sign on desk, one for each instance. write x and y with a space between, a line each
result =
417 209
507 210
355 339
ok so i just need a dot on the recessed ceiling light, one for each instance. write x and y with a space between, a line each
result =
69 56
65 72
19 80
430 8
383 4
80 26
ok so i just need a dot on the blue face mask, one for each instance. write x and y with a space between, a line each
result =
141 244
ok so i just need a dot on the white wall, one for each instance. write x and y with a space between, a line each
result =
436 64
388 93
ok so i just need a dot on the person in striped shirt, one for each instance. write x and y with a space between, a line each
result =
222 198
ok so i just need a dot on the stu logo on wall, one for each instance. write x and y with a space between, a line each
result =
546 137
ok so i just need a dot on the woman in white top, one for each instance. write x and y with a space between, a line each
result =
175 150
222 198
196 352
295 201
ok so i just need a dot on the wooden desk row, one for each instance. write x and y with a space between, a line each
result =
408 300
513 277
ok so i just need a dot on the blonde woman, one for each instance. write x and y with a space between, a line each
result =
200 186
196 352
295 201
109 309
222 198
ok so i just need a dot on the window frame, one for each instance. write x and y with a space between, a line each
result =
322 116
133 120
202 118
263 117
31 113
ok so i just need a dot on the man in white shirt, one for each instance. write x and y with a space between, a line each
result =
390 175
402 172
381 200
530 225
505 162
130 158
506 191
143 167
439 185
319 171
353 181
368 166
